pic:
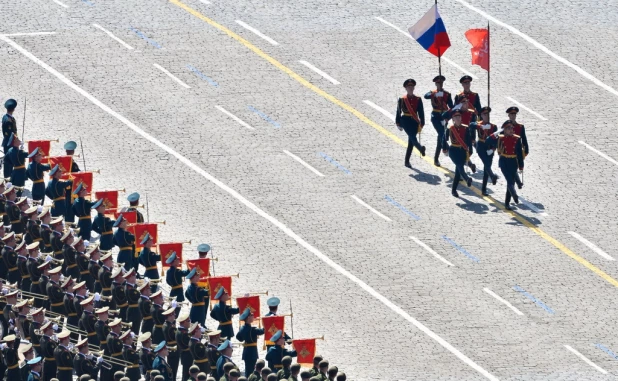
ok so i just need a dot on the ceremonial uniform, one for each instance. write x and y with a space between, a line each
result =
4 270
46 236
5 218
17 158
134 315
145 305
249 335
56 297
82 208
222 313
64 361
149 259
511 159
200 355
126 243
459 152
69 266
93 268
158 319
520 130
182 341
120 298
163 367
14 214
484 145
275 354
57 245
131 356
105 278
473 99
55 190
70 215
103 226
411 117
22 265
24 370
35 338
11 359
441 101
102 330
72 317
48 347
199 297
36 172
9 126
173 358
87 323
223 359
84 273
213 358
115 346
10 260
173 277
146 356
85 365
34 376
33 232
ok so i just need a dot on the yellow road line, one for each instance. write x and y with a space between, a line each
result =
523 220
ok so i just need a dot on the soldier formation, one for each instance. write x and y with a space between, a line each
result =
70 308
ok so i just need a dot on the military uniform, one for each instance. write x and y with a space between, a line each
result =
131 356
149 259
103 330
126 243
72 316
146 356
163 367
213 358
87 323
145 305
14 214
105 278
22 264
9 126
173 278
84 273
93 268
10 259
36 172
182 341
64 361
223 359
200 355
511 159
114 345
158 319
275 354
120 298
410 117
459 152
33 232
81 208
249 335
473 99
441 101
199 297
46 236
134 315
17 158
57 245
173 358
85 365
68 195
103 226
55 190
35 338
48 347
69 266
484 145
56 297
11 359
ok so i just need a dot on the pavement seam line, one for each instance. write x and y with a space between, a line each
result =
520 218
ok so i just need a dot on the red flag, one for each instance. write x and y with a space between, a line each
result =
131 216
166 250
44 147
140 230
216 282
272 324
84 178
64 162
110 198
251 302
305 351
479 38
203 270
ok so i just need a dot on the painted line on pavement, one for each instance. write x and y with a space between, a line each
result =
401 207
89 3
541 47
28 34
113 37
607 350
265 117
143 36
535 300
257 32
60 3
503 301
205 2
531 206
278 224
431 251
461 249
370 208
380 109
242 123
203 76
335 163
586 360
592 246
172 76
320 72
389 133
527 109
304 163
405 33
591 148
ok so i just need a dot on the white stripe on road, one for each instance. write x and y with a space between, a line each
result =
172 76
320 72
592 246
251 206
380 109
591 148
527 109
595 366
498 298
112 36
407 34
257 32
363 203
205 2
431 251
61 4
298 159
542 48
242 123
532 207
29 34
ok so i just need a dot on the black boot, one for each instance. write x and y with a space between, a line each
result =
513 193
507 201
494 179
472 166
408 154
423 151
484 187
469 182
436 156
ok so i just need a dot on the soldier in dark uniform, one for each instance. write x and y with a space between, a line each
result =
114 344
146 354
5 219
441 101
105 278
9 126
54 292
102 329
183 340
173 277
69 305
226 357
132 295
156 310
48 346
22 310
202 250
276 353
131 356
159 362
169 334
256 374
199 298
103 226
36 172
410 117
24 369
149 259
22 264
35 365
44 267
485 146
118 294
133 199
56 240
10 354
519 130
87 320
212 349
473 98
11 262
198 350
46 229
55 190
64 359
460 149
69 254
35 327
33 230
125 242
17 158
83 363
145 305
222 313
82 209
273 306
82 264
93 269
249 335
511 159
8 248
69 147
12 210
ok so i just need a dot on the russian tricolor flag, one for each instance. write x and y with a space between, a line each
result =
430 32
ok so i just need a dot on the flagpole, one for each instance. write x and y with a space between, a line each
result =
488 63
439 55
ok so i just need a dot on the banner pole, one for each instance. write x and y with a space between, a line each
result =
488 65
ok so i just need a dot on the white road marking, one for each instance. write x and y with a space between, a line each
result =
542 48
431 251
498 298
61 4
320 72
29 34
592 246
591 148
172 76
407 34
532 207
527 109
205 2
242 123
257 32
380 109
298 159
112 36
363 203
595 366
278 224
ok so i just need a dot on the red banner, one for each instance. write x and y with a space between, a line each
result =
140 230
251 302
110 198
44 147
305 351
479 38
272 324
64 162
166 249
203 270
84 178
216 282
131 217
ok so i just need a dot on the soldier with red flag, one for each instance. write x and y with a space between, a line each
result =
69 147
103 226
125 242
82 209
473 98
519 130
36 173
511 159
485 146
249 335
198 296
223 313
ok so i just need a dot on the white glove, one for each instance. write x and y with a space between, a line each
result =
174 304
202 329
16 332
70 346
490 152
2 346
89 356
439 94
11 321
21 146
146 279
132 335
48 258
61 278
55 327
97 297
39 209
496 134
99 359
86 243
457 107
486 126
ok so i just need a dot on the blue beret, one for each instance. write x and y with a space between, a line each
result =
276 336
203 248
273 302
70 145
245 314
146 238
225 345
54 170
33 153
97 204
79 188
35 360
118 220
10 104
160 346
10 141
191 273
171 259
220 293
133 197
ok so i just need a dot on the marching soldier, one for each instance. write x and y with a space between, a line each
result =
133 296
410 117
133 199
169 334
82 209
126 243
249 335
459 150
473 98
276 353
159 362
511 159
441 102
273 305
105 278
83 363
17 158
114 344
468 116
519 130
9 126
54 291
69 147
64 360
183 339
173 278
36 172
149 259
35 369
12 210
102 225
197 349
198 296
118 293
33 230
55 190
145 305
226 357
10 347
88 320
131 356
156 311
212 349
93 269
48 347
146 354
82 263
69 253
222 313
46 229
485 146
